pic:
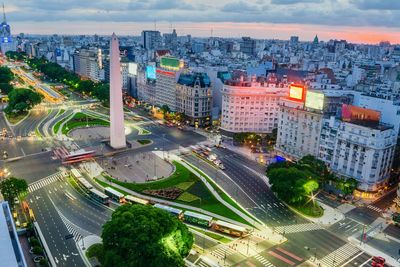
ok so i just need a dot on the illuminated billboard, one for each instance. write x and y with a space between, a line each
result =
353 113
297 92
171 63
314 100
151 72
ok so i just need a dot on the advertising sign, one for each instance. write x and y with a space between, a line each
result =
314 100
296 92
151 72
132 68
353 113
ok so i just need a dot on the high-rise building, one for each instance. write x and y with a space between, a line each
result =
6 41
117 129
171 40
299 130
251 106
88 64
248 46
194 98
11 253
167 77
359 150
151 39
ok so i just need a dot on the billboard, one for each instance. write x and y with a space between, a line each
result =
314 100
353 113
132 68
151 72
296 92
171 63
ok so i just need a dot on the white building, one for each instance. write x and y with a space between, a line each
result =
362 152
251 106
299 130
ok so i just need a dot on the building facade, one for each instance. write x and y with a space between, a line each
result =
151 39
299 130
251 106
362 152
194 98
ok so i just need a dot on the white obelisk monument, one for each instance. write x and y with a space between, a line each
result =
117 129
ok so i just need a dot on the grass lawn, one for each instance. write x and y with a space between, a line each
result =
220 192
181 178
310 209
58 124
144 141
61 112
15 118
218 237
82 120
188 197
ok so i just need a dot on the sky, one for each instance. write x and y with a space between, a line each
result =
361 21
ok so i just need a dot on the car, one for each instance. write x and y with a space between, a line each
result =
378 261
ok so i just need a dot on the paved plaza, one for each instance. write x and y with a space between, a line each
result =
137 168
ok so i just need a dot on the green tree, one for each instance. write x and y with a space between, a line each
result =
291 184
140 235
22 100
12 187
165 109
6 76
102 92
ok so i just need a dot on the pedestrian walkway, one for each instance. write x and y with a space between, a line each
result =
298 228
201 263
45 181
340 255
222 251
263 261
374 208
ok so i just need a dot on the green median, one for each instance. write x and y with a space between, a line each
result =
193 192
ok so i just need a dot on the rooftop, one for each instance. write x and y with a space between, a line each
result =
191 79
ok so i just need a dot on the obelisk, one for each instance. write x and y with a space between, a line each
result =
117 129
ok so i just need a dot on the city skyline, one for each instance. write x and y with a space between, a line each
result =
354 20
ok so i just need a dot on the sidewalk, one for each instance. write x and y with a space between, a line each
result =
329 217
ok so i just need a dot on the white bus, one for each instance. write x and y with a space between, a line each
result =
114 194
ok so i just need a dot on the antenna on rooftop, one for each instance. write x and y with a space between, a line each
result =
4 13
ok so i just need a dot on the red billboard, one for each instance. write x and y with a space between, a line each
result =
353 113
297 92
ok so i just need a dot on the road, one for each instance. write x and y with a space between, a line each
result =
64 252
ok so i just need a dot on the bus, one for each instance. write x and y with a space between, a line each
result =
229 228
132 200
176 212
99 196
75 173
114 194
84 184
197 218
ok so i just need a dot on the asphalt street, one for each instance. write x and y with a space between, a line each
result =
29 124
33 167
64 251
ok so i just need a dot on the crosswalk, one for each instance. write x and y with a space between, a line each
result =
297 228
201 263
263 261
59 176
222 252
340 255
76 231
374 208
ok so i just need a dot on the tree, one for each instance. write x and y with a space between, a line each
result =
22 100
6 76
292 185
140 235
165 109
102 92
12 188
